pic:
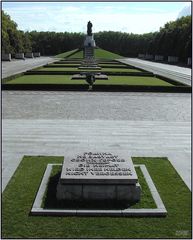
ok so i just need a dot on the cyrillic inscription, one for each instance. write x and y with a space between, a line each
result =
98 164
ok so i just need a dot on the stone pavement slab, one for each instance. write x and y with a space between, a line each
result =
19 65
59 137
57 123
180 74
96 105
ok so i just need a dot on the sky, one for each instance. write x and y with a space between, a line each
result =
130 17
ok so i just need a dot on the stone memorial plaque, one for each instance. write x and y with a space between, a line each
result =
98 168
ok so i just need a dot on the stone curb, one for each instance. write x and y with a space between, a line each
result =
159 211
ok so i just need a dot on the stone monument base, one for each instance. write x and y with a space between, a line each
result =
95 192
89 41
98 176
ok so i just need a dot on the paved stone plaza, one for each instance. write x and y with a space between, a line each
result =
57 123
18 66
180 74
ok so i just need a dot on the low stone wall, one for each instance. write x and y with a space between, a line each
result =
19 56
159 58
6 57
172 59
36 54
29 55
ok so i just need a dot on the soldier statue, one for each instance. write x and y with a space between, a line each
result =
89 29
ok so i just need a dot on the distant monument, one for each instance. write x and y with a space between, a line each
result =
89 29
89 62
89 42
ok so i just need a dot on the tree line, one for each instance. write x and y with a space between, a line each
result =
174 39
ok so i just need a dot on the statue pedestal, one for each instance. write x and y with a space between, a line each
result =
89 41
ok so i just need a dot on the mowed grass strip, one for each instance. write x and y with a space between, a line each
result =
65 54
66 79
98 53
77 55
19 195
62 64
101 53
93 70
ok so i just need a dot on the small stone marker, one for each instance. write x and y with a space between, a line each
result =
148 56
159 57
98 176
36 54
141 55
172 59
29 55
83 76
6 57
19 56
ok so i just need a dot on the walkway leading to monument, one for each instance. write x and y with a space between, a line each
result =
54 123
19 66
173 72
59 137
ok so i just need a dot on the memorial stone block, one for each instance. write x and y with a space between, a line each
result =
148 56
172 59
29 55
36 54
19 56
159 58
141 55
6 57
98 176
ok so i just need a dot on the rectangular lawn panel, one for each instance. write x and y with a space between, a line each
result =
66 79
65 54
98 70
45 79
134 80
77 55
101 53
98 53
19 195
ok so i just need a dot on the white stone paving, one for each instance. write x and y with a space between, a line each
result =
57 123
180 74
17 66
57 137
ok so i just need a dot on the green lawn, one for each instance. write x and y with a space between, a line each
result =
65 54
66 79
77 55
79 64
18 197
99 53
98 70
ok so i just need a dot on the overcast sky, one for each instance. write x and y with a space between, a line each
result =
135 17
